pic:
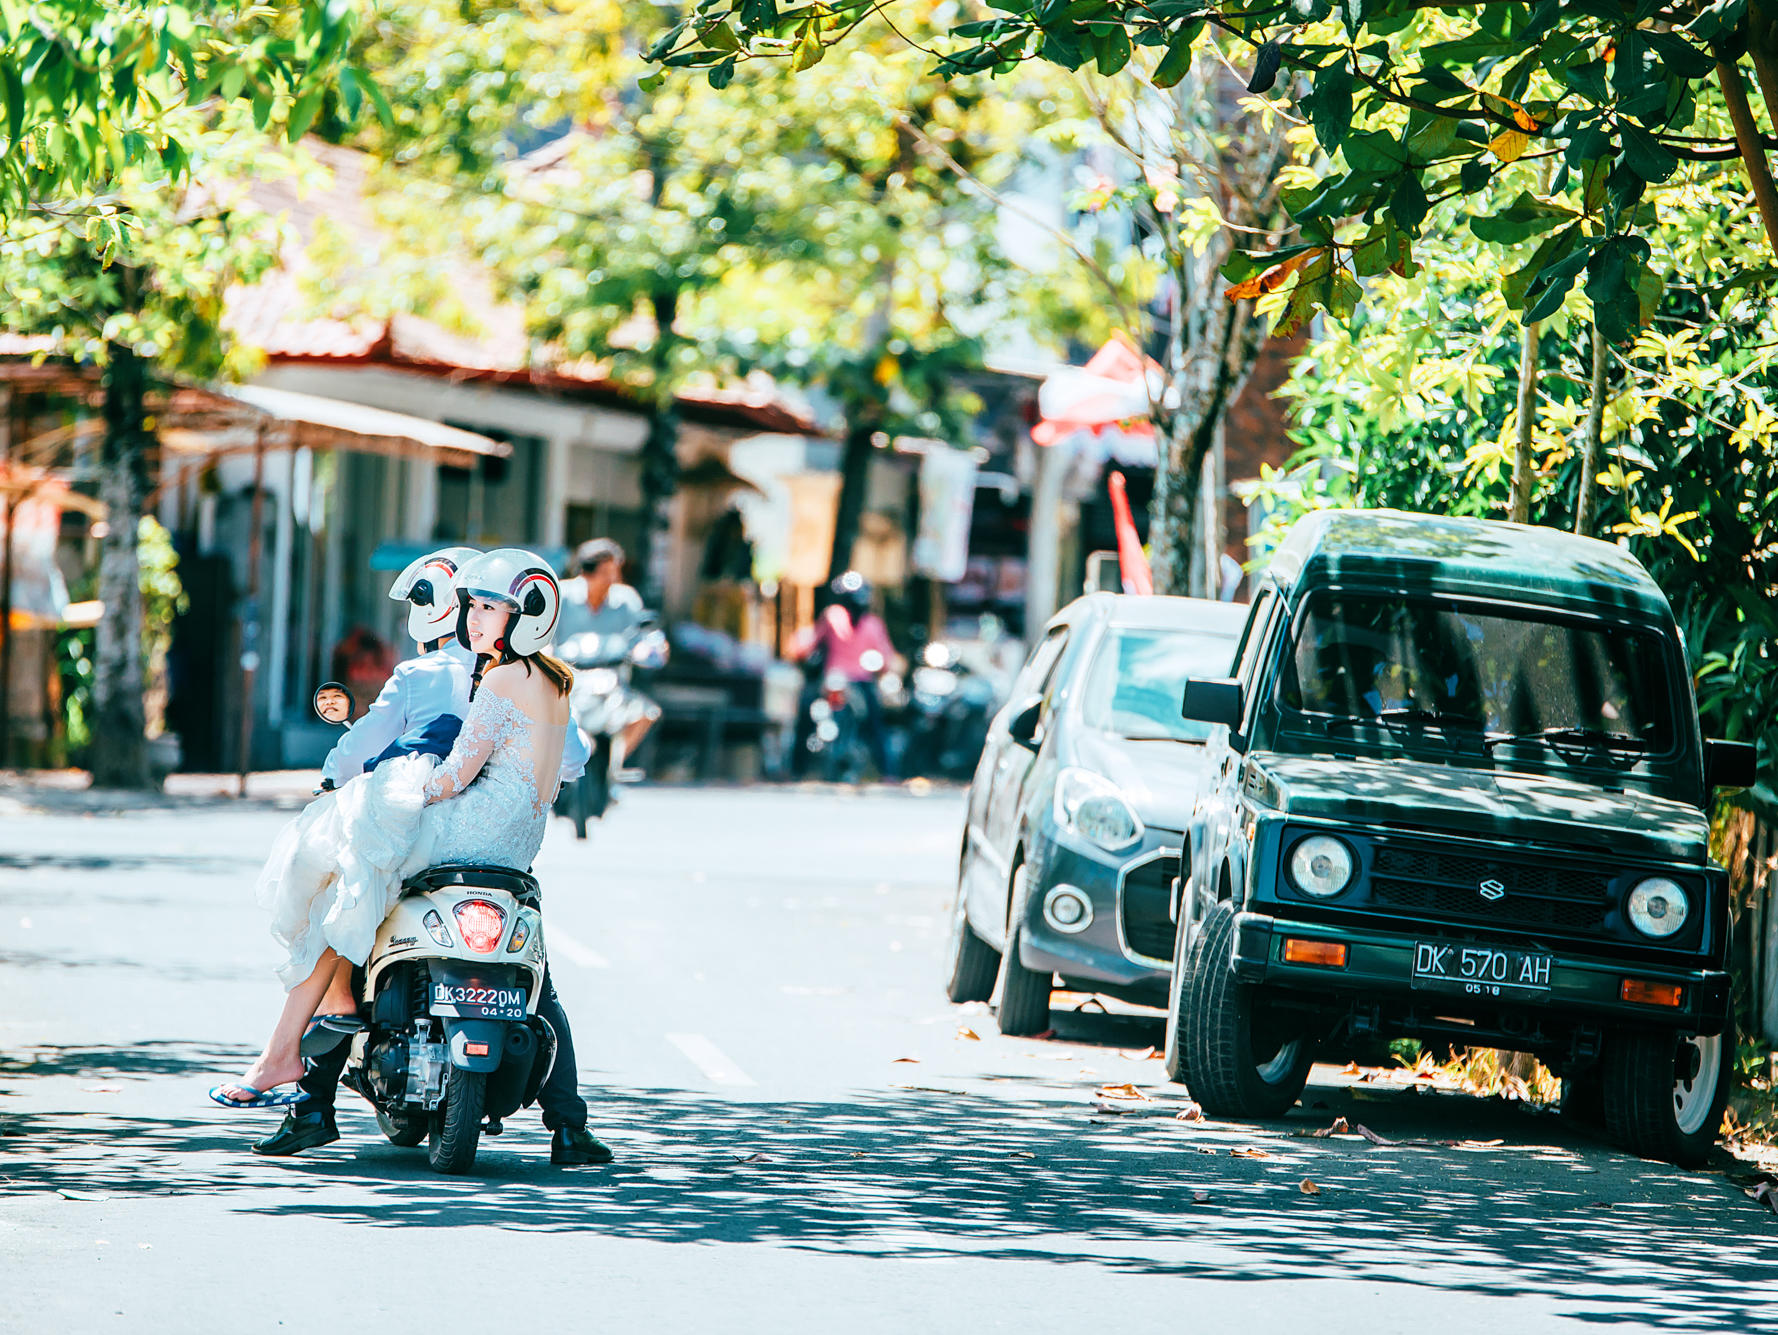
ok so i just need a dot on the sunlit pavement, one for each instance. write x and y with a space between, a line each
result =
808 1136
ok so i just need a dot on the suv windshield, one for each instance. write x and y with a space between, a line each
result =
1504 673
1138 678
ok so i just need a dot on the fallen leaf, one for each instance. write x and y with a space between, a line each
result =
1122 1092
1250 1152
74 1194
969 1034
1372 1136
1199 1197
1047 1033
913 1061
1023 1154
1350 1068
1142 1056
1338 1128
1766 1193
755 1157
1308 1188
1190 1113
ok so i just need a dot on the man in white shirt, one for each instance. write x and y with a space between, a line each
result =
597 601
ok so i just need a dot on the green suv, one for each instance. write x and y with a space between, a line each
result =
1459 795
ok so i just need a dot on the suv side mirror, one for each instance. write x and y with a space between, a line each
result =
1212 700
1729 764
1022 727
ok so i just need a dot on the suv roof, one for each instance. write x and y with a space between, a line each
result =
1402 551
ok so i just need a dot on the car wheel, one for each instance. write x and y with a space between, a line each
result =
1664 1092
1173 1058
1024 993
974 963
1243 1062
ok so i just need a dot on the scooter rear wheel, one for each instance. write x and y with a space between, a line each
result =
456 1126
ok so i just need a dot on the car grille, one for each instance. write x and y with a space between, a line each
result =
1147 895
1448 885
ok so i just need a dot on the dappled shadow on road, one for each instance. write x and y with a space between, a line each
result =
1022 1169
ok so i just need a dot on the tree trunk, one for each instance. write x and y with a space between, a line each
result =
855 460
1518 508
660 460
1587 501
119 747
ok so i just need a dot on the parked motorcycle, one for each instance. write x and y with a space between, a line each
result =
600 705
946 718
452 1042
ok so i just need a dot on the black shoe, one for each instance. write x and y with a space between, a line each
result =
572 1146
299 1132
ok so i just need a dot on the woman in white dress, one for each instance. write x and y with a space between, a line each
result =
337 869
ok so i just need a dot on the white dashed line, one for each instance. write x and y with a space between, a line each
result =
710 1059
559 943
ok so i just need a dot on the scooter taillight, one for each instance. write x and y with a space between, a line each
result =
481 923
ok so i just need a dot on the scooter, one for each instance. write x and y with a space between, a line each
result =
452 1042
603 666
833 742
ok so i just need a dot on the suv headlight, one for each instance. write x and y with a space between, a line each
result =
1091 806
1321 866
1658 907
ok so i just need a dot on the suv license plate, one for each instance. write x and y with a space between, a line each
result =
472 1002
1481 971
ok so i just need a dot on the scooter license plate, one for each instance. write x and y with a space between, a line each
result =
470 1001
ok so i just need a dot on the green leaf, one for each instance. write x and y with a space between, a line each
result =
651 82
302 115
719 37
1645 155
1521 220
1375 153
809 50
722 74
1329 103
1515 286
15 107
1551 286
1177 63
385 113
1112 49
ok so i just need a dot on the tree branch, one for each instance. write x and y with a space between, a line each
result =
1759 173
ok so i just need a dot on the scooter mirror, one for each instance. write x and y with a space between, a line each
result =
333 702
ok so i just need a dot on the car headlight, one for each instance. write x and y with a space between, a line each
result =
1091 806
1658 906
1321 866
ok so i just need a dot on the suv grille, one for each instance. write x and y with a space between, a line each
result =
1148 887
1448 885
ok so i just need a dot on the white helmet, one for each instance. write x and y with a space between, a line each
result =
523 581
426 587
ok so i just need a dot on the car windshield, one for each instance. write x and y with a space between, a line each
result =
1501 673
1138 680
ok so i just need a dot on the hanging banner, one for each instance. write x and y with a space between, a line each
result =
947 501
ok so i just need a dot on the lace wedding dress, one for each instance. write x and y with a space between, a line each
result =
336 870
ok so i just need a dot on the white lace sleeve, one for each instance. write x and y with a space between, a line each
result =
482 728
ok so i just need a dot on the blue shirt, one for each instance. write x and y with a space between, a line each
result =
420 707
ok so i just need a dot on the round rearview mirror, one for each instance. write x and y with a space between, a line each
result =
333 702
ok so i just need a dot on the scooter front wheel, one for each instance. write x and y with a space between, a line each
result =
456 1127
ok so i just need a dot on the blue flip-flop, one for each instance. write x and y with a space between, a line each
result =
260 1099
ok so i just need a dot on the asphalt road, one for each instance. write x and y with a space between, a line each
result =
808 1137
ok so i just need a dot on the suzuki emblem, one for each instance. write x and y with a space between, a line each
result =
1492 890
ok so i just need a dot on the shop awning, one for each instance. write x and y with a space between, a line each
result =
232 418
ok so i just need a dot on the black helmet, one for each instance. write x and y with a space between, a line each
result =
851 591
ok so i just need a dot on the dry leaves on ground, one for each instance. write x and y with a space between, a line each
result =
1338 1128
1142 1056
1250 1152
911 1061
1766 1193
1190 1113
1308 1188
969 1034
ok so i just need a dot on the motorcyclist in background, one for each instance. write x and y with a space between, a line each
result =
848 638
597 601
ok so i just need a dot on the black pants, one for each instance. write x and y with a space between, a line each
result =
559 1098
873 727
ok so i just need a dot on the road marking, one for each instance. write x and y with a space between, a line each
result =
710 1059
558 942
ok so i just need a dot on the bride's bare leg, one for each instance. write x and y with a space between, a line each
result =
282 1062
339 999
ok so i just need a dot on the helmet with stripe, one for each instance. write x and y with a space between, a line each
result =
524 582
426 586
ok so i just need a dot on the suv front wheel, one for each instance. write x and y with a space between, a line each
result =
1664 1092
1240 1060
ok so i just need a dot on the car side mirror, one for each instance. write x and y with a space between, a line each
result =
1730 764
1212 700
333 702
1022 727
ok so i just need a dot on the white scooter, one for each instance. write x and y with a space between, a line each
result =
449 999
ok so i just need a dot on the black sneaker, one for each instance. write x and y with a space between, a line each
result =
299 1131
573 1146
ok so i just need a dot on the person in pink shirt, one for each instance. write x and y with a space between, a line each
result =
849 639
